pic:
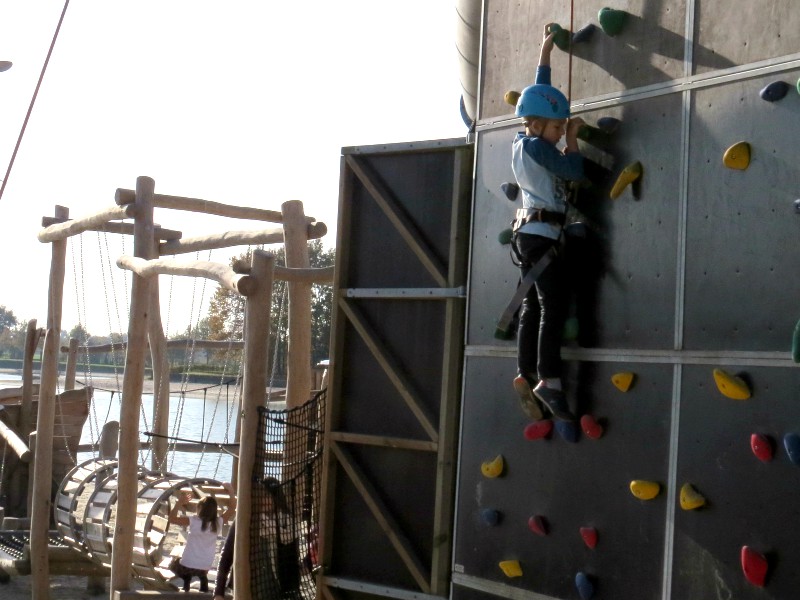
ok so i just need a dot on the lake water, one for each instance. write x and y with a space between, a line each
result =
196 416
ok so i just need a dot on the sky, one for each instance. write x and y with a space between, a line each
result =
241 102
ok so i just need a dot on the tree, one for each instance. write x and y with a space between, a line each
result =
226 312
7 319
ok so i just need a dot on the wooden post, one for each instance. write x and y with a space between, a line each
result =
160 362
72 365
122 551
22 481
298 379
256 349
41 502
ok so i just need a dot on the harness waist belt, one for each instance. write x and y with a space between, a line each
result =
541 215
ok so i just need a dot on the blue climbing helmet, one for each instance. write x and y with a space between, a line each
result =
541 100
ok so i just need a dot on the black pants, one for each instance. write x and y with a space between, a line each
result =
543 312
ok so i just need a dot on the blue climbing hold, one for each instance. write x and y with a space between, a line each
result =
791 441
511 190
608 124
491 517
584 34
567 430
584 585
774 91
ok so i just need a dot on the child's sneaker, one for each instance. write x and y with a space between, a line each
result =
530 405
556 401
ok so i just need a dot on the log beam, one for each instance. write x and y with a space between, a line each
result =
209 207
161 233
68 228
222 274
315 231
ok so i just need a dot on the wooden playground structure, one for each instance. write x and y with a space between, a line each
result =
105 489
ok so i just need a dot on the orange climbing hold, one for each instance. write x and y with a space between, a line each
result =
754 566
493 468
645 490
589 535
762 447
691 498
623 381
731 386
538 525
737 156
591 427
628 175
511 568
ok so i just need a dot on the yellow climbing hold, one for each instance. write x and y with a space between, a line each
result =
623 381
691 498
493 468
511 97
737 156
645 490
731 386
511 568
629 174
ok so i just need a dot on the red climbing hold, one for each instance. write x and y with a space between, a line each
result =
589 535
754 566
538 429
762 447
538 525
591 427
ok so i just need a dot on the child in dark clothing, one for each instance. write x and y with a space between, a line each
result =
541 171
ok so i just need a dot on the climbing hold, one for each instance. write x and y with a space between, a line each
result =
791 441
584 586
571 327
538 429
737 156
561 36
754 566
611 20
591 427
504 237
774 91
584 34
691 498
762 447
796 343
593 135
623 381
589 535
567 430
628 175
538 525
796 205
645 490
511 190
511 97
493 468
608 124
511 568
731 386
491 517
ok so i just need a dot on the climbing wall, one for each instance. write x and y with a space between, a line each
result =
687 272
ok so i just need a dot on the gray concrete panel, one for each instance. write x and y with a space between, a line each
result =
631 261
744 32
649 50
748 502
571 484
741 279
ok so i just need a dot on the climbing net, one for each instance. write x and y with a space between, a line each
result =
285 500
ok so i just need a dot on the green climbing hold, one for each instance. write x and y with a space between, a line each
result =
505 236
593 135
571 328
612 20
796 343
